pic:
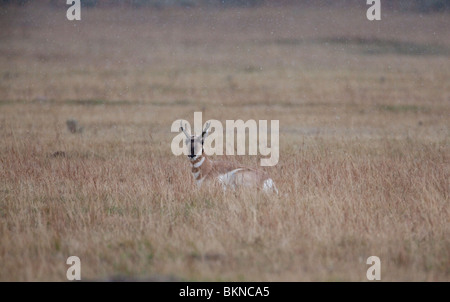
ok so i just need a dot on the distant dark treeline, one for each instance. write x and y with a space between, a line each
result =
139 3
399 5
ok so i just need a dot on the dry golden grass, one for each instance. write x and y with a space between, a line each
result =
364 158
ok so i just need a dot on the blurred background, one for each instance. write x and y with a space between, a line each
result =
418 5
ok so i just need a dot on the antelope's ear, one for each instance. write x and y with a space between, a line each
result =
184 129
206 130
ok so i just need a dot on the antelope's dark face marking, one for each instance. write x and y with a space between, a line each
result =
195 147
195 143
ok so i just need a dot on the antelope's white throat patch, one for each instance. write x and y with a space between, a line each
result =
196 165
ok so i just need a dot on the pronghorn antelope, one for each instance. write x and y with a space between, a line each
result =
228 174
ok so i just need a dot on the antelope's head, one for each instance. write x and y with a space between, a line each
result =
195 143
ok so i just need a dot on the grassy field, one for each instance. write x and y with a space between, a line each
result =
364 164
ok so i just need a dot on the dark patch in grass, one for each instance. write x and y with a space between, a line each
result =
89 102
292 42
73 126
75 155
206 257
181 102
96 102
102 102
2 207
375 46
11 102
114 210
7 75
252 69
59 154
289 104
402 108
